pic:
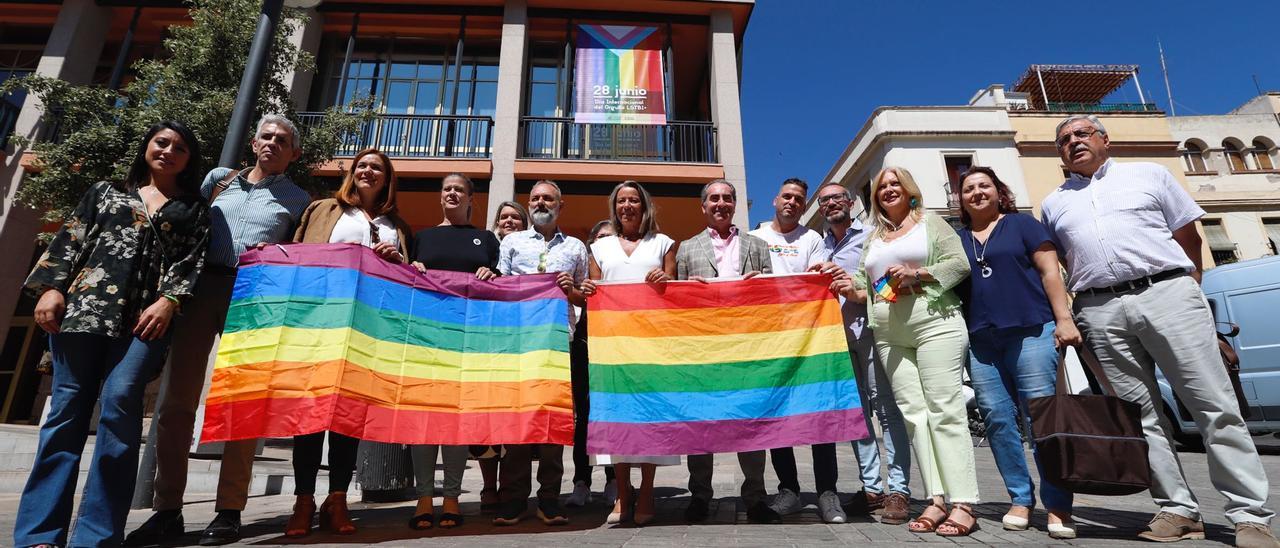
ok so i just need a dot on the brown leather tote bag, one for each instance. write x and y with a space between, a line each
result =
1090 444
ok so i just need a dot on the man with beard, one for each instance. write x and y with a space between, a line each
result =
793 248
540 249
1129 242
842 247
721 252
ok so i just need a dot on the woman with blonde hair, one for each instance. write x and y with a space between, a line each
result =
512 217
911 262
362 211
636 252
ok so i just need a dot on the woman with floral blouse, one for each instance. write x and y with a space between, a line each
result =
108 288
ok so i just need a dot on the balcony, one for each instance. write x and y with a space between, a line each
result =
416 135
1102 107
8 119
548 138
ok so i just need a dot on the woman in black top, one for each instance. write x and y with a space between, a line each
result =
108 287
457 246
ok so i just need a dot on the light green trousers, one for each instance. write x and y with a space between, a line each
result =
923 354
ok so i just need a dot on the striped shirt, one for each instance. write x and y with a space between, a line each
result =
1118 225
247 214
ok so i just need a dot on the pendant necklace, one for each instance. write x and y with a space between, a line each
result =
980 251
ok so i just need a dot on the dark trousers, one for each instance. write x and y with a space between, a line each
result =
825 472
515 472
306 462
578 365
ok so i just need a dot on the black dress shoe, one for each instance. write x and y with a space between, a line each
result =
697 511
761 513
224 529
162 527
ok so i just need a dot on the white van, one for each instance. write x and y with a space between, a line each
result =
1246 294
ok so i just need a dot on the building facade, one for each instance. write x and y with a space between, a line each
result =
1230 162
482 87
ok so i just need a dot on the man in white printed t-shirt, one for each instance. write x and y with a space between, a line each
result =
793 248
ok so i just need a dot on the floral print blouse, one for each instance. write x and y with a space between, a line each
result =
112 261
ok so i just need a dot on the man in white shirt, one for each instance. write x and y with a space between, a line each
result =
540 249
793 248
1133 257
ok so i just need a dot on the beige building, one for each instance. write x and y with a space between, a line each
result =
1230 162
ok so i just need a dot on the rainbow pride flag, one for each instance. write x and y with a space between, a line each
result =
719 367
330 337
618 75
887 288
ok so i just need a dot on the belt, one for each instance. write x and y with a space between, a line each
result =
1134 285
220 270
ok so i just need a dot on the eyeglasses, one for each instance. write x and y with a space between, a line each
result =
832 198
1081 134
542 262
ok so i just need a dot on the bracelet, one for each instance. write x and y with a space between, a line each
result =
174 300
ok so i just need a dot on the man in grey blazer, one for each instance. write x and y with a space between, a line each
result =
722 251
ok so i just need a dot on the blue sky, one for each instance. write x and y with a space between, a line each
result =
814 70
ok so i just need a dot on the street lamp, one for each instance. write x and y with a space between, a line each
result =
251 80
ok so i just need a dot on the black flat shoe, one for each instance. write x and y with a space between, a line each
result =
422 522
697 511
162 527
455 518
224 529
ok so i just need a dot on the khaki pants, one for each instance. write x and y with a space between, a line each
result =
1170 324
182 388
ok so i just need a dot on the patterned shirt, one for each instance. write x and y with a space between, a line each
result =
112 261
527 252
846 252
1118 225
247 214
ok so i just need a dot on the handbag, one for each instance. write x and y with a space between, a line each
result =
1090 444
1231 361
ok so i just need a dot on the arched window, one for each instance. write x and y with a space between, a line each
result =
1193 157
1262 154
1235 156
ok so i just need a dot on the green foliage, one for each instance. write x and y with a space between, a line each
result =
194 81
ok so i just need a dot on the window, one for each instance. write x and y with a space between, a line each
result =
1223 249
1235 156
1193 157
1272 227
1262 154
957 166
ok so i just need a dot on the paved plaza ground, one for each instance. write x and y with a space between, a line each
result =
1104 521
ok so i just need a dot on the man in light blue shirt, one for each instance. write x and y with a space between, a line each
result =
538 250
845 236
255 206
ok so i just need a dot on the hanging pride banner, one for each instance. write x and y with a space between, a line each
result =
618 75
719 367
331 337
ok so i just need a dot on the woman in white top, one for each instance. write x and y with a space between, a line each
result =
922 341
363 211
637 252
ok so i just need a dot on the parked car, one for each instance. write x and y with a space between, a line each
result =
1247 295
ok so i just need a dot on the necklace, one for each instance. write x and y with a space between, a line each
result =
980 250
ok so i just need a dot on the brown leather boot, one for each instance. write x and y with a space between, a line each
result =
895 509
304 510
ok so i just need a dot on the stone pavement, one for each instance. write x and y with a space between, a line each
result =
1104 521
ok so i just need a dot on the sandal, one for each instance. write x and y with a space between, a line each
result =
961 530
455 518
926 525
422 522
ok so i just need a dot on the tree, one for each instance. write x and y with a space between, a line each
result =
194 81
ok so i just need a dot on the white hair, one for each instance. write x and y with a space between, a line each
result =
1086 117
283 122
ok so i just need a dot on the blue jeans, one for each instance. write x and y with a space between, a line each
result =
1007 366
877 399
81 364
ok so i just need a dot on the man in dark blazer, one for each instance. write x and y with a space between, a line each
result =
721 251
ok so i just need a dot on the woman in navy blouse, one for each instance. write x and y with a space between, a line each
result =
1016 309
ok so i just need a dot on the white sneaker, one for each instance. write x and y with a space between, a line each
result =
580 494
610 493
786 502
829 507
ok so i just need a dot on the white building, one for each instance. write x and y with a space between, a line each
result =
1230 163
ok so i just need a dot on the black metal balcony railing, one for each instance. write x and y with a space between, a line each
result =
416 135
1102 107
563 139
8 119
